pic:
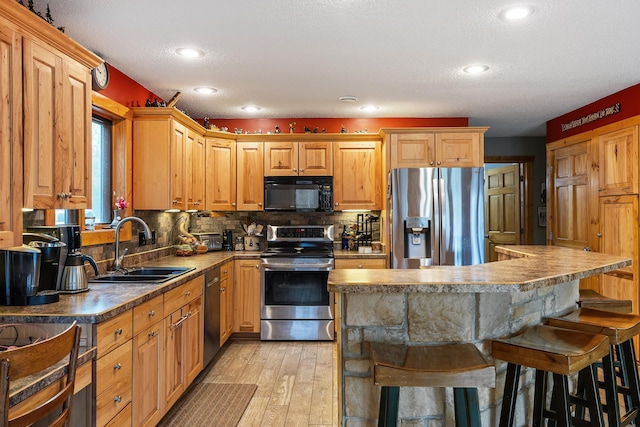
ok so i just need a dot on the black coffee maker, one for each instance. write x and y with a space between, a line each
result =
227 240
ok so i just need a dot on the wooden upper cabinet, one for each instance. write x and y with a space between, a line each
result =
464 149
298 159
437 149
220 174
10 137
168 160
413 150
618 156
357 175
249 176
57 130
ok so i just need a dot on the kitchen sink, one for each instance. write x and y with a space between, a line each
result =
144 275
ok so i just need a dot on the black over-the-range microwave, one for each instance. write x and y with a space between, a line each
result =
298 194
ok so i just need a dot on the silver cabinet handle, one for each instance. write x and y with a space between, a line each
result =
301 170
187 294
117 366
296 170
118 331
152 333
152 313
117 399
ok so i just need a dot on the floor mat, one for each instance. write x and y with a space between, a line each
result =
210 405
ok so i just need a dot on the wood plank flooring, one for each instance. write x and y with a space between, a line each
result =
297 383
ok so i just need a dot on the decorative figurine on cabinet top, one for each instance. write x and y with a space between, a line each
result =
277 129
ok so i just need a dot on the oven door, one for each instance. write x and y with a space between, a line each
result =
296 289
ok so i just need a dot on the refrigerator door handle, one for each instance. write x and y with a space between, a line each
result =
438 192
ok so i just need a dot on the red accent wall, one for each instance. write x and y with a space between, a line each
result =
125 90
130 93
629 100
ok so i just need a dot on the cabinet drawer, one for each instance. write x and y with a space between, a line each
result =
147 314
123 419
361 263
114 332
113 400
226 271
176 298
114 367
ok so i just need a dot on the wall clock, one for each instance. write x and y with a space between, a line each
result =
100 77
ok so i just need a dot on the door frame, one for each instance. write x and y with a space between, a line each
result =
526 193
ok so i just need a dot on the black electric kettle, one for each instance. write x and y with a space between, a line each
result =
74 277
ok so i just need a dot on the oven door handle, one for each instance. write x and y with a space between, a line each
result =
289 267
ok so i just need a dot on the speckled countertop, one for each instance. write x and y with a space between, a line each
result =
105 300
535 267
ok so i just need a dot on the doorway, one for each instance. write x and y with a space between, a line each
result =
508 202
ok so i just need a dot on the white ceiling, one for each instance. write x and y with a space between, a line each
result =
295 58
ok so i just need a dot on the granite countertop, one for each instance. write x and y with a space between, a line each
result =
535 267
106 300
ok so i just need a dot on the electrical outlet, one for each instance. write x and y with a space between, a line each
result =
141 239
153 237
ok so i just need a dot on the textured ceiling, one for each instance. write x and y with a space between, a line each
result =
295 58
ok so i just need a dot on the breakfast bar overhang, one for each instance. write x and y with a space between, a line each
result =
451 304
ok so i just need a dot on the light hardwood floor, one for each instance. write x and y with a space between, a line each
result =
296 381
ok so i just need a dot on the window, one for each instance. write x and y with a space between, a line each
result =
101 191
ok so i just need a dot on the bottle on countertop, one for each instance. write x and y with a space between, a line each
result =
345 238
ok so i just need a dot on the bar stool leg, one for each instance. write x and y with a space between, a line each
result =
560 400
629 370
609 373
467 407
540 391
389 399
511 381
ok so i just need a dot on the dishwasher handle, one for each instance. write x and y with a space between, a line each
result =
213 281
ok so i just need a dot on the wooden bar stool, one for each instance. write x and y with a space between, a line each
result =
562 353
592 299
460 366
621 328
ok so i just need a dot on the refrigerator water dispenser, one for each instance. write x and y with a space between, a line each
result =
417 237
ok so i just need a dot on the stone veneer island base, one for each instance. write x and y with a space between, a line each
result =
443 304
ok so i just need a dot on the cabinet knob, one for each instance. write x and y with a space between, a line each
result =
187 294
117 399
439 163
152 333
359 265
301 170
599 234
233 204
259 203
117 366
296 170
118 331
431 163
174 201
337 203
152 313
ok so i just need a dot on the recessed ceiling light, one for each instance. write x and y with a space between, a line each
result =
476 69
189 52
516 13
348 98
251 108
205 90
369 108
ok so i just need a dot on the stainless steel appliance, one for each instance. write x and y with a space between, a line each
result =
69 234
74 276
227 240
298 194
211 315
213 241
437 216
295 302
20 276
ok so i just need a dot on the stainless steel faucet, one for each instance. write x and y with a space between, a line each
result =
117 259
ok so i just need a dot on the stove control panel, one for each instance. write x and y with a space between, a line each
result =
300 233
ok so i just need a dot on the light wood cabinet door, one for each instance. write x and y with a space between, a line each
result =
57 132
148 369
250 176
194 336
220 174
569 180
246 296
464 149
10 137
281 159
413 150
619 236
194 165
179 141
174 342
618 168
357 175
226 301
315 158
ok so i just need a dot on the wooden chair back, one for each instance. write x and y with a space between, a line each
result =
31 359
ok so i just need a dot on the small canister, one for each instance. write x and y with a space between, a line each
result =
239 243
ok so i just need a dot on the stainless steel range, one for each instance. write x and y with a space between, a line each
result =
295 302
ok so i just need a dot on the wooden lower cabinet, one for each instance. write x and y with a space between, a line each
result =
246 296
226 301
194 336
148 376
123 419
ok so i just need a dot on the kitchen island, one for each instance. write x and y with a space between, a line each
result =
443 304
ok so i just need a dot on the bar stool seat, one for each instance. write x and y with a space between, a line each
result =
620 328
592 299
461 366
562 353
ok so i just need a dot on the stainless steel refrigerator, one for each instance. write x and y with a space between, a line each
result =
437 216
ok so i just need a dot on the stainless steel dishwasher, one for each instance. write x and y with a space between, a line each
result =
211 315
